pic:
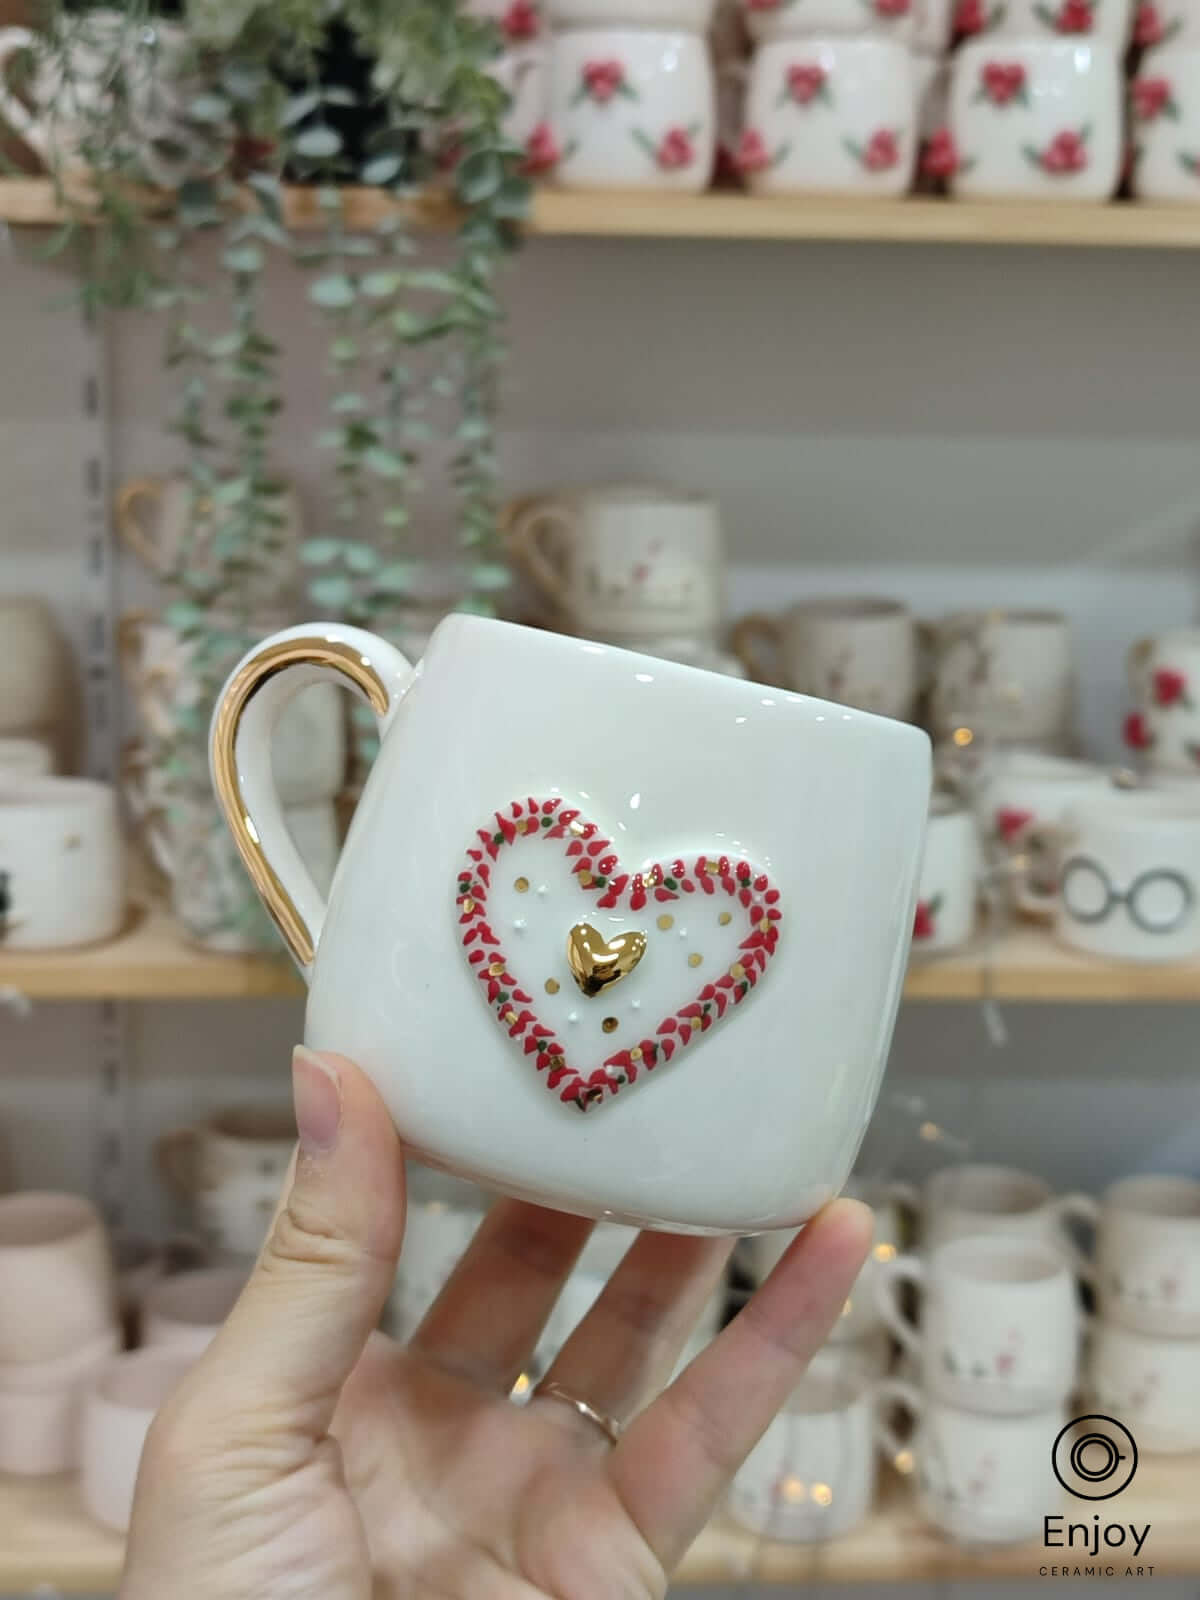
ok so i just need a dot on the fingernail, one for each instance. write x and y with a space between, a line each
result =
317 1093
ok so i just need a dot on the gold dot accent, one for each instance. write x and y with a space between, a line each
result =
765 925
793 1491
610 1024
737 970
725 918
522 885
585 879
884 1252
551 985
666 922
695 959
496 968
636 1053
903 1461
510 1016
576 827
822 1494
694 1023
468 906
713 868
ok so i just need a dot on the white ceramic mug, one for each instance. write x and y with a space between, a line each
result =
442 1217
523 72
623 559
35 672
59 1293
1073 21
1164 116
41 1404
859 1317
999 1322
309 744
182 1314
62 863
163 524
1164 675
1150 1385
1129 876
830 115
75 78
1148 1255
230 1169
1037 119
586 919
1006 674
948 899
857 651
981 1479
1021 800
933 25
980 1199
811 1476
25 758
694 16
519 21
632 108
1159 23
119 1406
894 20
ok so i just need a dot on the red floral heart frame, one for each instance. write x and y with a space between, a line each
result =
598 872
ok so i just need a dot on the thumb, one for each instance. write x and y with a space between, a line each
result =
327 1268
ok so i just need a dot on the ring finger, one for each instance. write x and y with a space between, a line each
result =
626 1348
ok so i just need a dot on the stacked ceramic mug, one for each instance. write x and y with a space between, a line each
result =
1036 105
812 1476
522 69
993 1352
632 565
831 95
632 96
1144 1362
58 1325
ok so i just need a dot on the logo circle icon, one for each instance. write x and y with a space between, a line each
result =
1094 1457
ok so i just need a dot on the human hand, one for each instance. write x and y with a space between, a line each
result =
305 1458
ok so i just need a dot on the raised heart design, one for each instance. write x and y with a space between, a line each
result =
597 963
713 928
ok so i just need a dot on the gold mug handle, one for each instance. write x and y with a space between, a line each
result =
526 523
1136 660
240 755
134 533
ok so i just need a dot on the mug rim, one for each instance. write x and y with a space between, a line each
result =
1134 808
169 1299
1123 1196
968 1257
150 1362
946 1187
50 791
237 1123
69 1216
851 608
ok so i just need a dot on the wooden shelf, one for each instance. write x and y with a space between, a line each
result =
31 202
153 961
47 1538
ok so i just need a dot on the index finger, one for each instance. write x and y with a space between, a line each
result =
676 1459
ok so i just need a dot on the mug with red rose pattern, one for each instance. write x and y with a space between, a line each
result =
657 920
519 21
1164 122
694 15
949 892
1037 119
1020 803
1164 674
829 115
524 74
999 1322
1166 22
1072 20
785 19
631 108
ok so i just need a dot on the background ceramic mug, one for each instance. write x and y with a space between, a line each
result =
632 108
62 863
182 1314
587 921
859 652
1036 118
981 1199
1164 674
894 20
1164 114
121 1403
623 560
1148 1255
231 1170
56 1268
1069 20
980 1479
1005 674
999 1322
1160 23
829 115
1152 1385
948 898
1129 876
1021 801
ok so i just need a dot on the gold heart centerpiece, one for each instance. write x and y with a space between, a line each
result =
597 963
600 974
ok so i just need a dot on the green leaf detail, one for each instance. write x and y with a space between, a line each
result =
318 144
333 293
334 591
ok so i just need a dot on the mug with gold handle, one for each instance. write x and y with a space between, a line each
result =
757 642
536 528
139 521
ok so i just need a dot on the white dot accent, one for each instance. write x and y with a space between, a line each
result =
542 890
683 933
573 1016
520 924
637 1005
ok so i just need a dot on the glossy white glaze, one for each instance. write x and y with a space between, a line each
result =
758 1121
778 19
